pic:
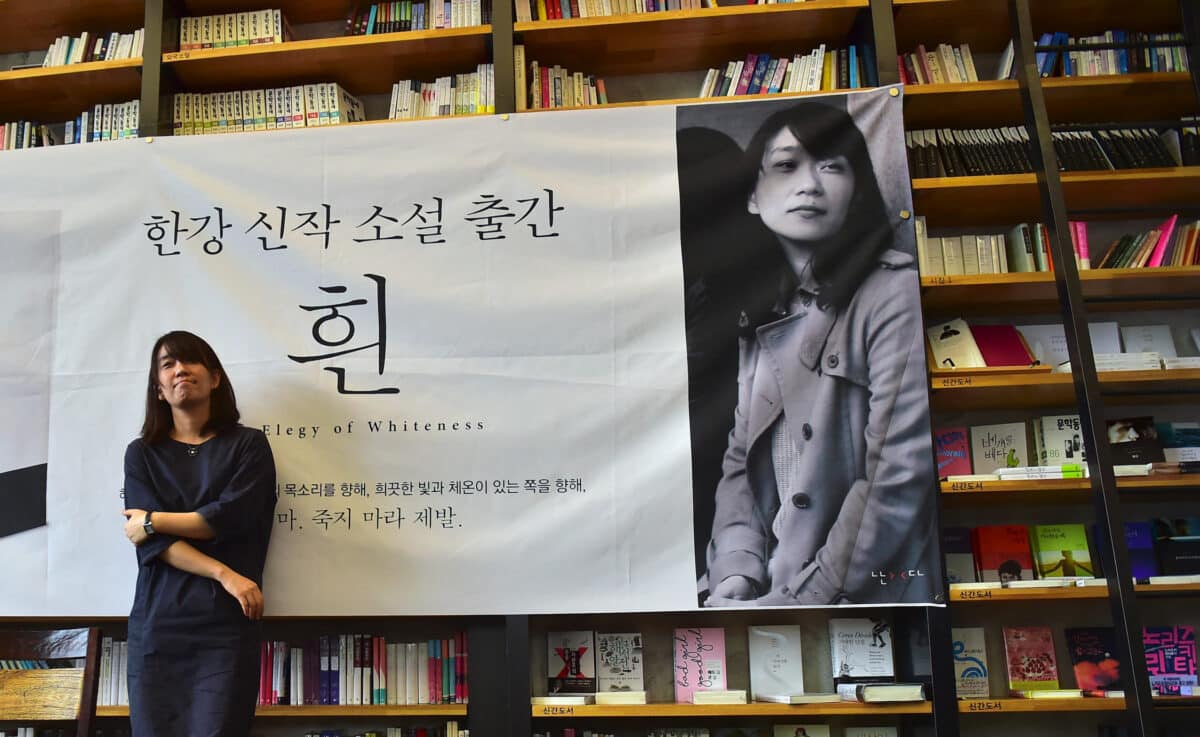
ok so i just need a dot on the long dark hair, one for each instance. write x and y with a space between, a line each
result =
842 262
184 346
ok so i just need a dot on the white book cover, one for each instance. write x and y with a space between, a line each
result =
619 661
1149 339
423 696
1061 440
952 256
776 665
1048 343
231 29
800 730
571 662
860 648
1002 445
969 648
953 345
411 666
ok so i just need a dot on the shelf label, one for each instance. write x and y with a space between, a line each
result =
986 706
558 711
940 280
949 382
971 594
177 56
966 486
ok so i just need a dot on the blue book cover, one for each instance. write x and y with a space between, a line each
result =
853 67
760 71
1040 56
868 55
371 19
1139 539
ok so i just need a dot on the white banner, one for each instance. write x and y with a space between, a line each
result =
464 339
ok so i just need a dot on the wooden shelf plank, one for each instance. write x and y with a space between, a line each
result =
981 23
1161 589
417 710
1050 593
731 710
967 104
26 25
361 64
1036 292
1009 198
54 94
688 101
1062 491
994 391
687 39
1002 706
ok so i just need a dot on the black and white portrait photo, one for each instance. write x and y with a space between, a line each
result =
813 472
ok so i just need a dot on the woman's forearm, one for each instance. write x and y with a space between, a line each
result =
182 524
186 558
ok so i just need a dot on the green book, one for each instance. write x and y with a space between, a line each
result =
1061 551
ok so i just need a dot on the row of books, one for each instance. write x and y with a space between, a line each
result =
1126 60
584 666
416 15
364 669
776 730
1032 664
555 86
1025 248
94 47
760 74
102 123
227 30
1013 556
450 730
1162 245
531 10
973 152
955 344
301 106
460 94
948 64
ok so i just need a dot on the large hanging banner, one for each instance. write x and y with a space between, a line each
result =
615 360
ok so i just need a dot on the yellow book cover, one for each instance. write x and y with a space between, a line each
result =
827 72
519 71
542 10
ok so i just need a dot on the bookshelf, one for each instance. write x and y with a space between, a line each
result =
681 41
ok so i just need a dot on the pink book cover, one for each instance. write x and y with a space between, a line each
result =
953 449
1079 230
699 656
1001 345
1164 237
1029 652
747 74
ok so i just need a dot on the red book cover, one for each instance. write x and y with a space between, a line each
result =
1029 653
448 674
1001 345
574 8
554 9
747 74
264 682
1002 553
462 668
1093 652
466 695
952 447
545 75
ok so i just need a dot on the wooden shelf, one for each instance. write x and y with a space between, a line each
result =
690 101
981 23
1051 593
361 64
963 104
1036 292
26 25
1177 702
416 710
681 40
296 11
732 710
996 391
54 94
1001 706
1009 198
1168 589
1062 491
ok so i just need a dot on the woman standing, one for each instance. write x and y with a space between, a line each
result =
826 494
200 498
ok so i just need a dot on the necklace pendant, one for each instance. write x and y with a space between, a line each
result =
193 450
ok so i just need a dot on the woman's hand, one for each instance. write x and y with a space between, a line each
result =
134 518
244 590
731 591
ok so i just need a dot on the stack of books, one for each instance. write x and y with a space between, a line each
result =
460 94
1164 245
233 29
302 106
1025 248
947 64
554 86
416 15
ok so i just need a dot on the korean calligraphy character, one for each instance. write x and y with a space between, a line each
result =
545 215
214 244
345 488
406 488
318 222
393 516
289 489
372 517
425 518
379 220
537 486
466 487
390 488
446 517
286 518
430 487
328 489
505 486
262 220
359 488
430 230
475 486
156 233
302 490
343 331
489 219
455 487
335 517
573 484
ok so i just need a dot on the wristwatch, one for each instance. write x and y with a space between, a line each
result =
147 525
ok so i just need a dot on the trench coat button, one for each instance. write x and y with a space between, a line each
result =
806 300
806 431
801 501
832 360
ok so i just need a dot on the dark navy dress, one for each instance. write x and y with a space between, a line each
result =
193 655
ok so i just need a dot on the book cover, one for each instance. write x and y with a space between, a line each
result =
1001 345
959 555
953 345
861 650
1171 659
619 661
1134 440
776 667
571 662
969 648
1060 440
699 658
1061 551
1002 553
1029 653
1093 652
1139 540
1003 445
953 451
800 730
